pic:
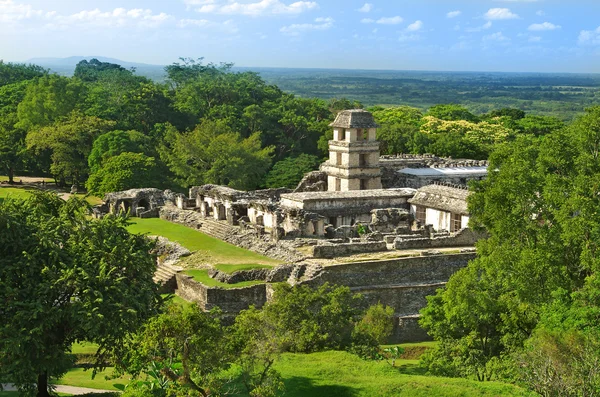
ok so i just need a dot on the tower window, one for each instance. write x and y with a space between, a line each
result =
338 184
362 160
455 222
363 184
338 160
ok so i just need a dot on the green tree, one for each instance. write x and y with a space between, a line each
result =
540 207
539 125
11 73
213 153
92 69
124 171
452 112
65 278
12 138
289 172
116 142
69 142
185 345
49 99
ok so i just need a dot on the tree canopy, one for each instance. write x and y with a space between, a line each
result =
66 278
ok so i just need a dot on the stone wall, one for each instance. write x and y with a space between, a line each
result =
401 271
335 250
244 238
463 238
230 300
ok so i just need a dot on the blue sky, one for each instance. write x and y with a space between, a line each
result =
476 35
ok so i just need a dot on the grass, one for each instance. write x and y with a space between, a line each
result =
201 275
209 250
84 348
24 192
83 378
337 373
16 394
234 268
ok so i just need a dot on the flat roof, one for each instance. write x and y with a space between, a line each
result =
352 194
450 171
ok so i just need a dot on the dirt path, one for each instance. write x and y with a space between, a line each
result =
76 391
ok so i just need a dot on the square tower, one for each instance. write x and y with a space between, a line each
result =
353 153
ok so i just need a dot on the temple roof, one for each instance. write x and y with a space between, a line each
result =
354 118
443 198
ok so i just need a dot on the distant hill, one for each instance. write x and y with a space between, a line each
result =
66 66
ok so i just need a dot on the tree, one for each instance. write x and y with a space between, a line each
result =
540 207
185 344
289 172
539 125
124 171
213 153
64 278
47 100
11 73
12 138
116 142
69 142
92 70
452 112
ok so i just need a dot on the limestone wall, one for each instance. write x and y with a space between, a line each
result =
463 238
335 250
231 300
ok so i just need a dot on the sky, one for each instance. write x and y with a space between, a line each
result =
437 35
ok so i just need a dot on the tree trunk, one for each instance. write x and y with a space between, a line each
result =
42 385
11 175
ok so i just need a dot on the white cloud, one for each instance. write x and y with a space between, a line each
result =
453 14
366 8
415 26
297 28
589 37
498 36
384 21
228 26
11 12
534 39
118 18
485 26
540 13
494 14
408 37
543 26
262 7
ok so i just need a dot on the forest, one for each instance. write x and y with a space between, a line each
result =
525 312
108 129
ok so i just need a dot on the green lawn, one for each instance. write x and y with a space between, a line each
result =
83 378
203 277
340 374
209 250
234 268
23 192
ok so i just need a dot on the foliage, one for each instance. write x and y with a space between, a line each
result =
47 100
66 278
290 171
91 71
124 171
540 208
451 112
11 73
116 142
183 348
213 153
373 329
69 142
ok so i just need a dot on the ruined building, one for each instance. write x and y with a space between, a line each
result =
393 228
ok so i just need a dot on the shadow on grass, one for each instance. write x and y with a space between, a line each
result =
304 387
411 369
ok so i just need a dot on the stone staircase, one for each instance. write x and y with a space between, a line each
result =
217 229
164 276
304 272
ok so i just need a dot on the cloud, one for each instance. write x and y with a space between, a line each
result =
453 14
543 26
11 12
540 13
228 26
384 21
408 37
589 37
297 28
415 26
366 8
259 8
485 26
534 39
498 37
495 14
